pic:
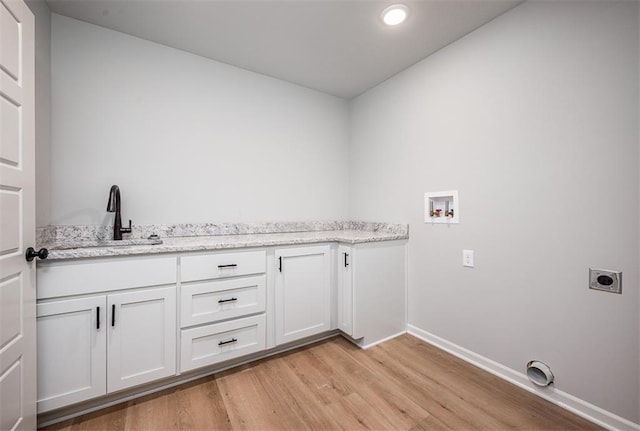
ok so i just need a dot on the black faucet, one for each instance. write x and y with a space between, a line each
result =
114 207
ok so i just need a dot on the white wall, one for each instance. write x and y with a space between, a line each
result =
42 110
187 139
534 119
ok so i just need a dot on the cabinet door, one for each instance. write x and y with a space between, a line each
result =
142 337
72 344
345 289
303 292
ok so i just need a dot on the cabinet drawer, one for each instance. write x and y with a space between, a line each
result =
82 276
211 301
209 266
222 341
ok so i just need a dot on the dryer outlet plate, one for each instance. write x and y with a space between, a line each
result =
605 280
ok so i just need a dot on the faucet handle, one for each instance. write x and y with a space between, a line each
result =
126 229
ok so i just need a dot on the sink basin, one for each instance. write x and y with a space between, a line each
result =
108 243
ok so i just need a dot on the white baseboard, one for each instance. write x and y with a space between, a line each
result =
375 343
567 401
359 342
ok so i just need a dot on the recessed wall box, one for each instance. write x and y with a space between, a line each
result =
441 207
602 279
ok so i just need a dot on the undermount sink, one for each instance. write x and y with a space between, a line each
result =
109 243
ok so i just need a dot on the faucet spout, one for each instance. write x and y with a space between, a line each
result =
113 206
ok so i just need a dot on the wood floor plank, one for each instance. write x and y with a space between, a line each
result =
482 388
381 394
353 412
320 379
478 404
112 418
300 408
247 404
153 413
430 424
402 384
448 389
427 393
201 407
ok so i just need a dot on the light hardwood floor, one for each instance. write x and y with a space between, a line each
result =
402 384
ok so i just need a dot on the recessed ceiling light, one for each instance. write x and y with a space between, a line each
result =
395 14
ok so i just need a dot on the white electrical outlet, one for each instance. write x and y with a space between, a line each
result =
467 258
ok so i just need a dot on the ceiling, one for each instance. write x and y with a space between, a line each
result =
340 47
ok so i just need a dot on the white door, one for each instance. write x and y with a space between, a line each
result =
303 292
142 337
17 218
72 351
345 289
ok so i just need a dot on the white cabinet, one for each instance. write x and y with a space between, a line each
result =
72 345
210 301
224 293
302 292
222 265
83 276
105 325
142 337
345 290
206 345
372 291
90 346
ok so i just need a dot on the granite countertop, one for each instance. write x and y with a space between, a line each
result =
80 246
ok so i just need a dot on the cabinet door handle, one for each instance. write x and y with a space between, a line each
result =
280 263
113 314
345 260
233 340
97 317
221 301
232 265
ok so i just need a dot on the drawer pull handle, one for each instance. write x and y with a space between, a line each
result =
113 314
346 255
221 301
280 263
97 317
233 340
232 265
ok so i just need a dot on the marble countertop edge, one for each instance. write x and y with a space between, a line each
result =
226 242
